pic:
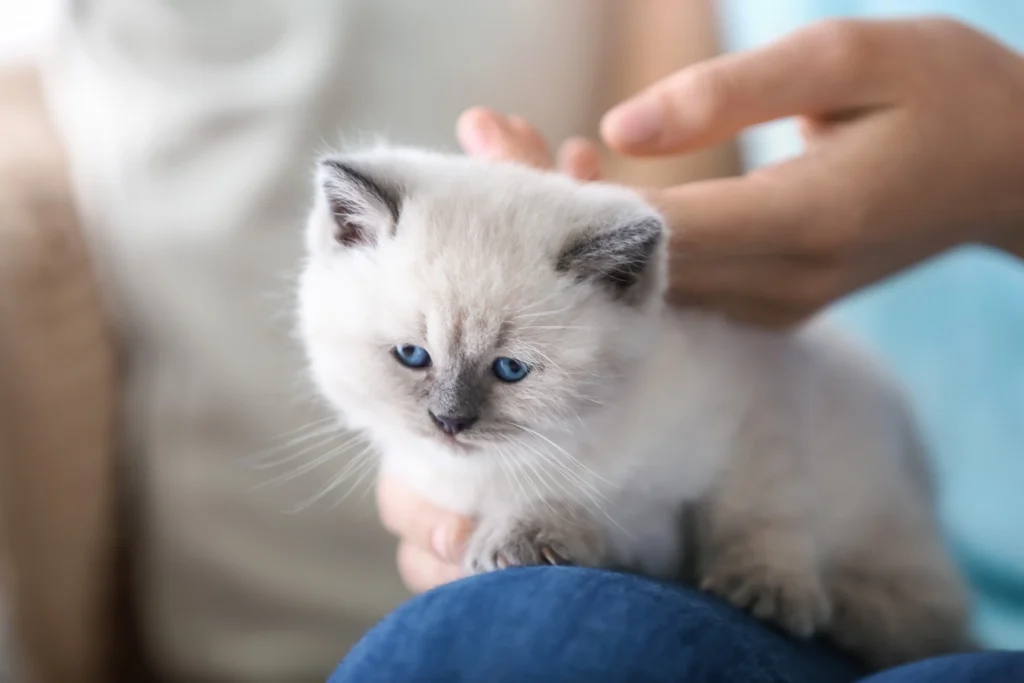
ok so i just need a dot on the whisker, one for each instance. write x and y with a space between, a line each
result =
555 327
311 431
308 448
563 452
357 464
545 478
367 471
586 488
506 469
309 466
539 302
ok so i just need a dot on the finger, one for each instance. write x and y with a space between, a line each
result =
579 158
409 516
827 67
421 570
770 212
486 134
530 144
474 128
796 283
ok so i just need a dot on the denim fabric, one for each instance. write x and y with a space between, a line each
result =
983 667
571 625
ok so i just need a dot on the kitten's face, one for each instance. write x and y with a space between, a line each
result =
474 305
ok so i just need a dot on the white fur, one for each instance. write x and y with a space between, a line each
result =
639 408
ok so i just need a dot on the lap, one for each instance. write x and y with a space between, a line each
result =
562 624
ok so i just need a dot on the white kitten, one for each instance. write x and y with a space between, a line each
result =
500 333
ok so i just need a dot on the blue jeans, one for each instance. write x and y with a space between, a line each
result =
569 625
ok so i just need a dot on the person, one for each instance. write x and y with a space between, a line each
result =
914 133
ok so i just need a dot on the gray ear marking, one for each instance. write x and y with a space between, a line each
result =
358 203
617 258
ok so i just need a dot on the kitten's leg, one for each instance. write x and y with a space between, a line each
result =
555 534
755 540
898 599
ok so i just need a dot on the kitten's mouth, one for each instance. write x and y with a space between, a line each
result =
458 444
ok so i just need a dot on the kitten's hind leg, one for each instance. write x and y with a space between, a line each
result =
755 538
756 551
897 605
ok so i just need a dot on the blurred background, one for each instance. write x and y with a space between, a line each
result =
163 462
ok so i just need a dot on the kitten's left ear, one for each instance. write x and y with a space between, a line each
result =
621 258
363 208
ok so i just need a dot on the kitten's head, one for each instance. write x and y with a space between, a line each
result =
470 304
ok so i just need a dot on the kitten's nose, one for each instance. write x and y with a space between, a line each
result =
452 424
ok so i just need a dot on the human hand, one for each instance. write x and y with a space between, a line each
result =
490 135
914 136
430 540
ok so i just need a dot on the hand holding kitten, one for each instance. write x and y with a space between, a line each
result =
430 539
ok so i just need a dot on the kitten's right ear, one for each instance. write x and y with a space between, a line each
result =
362 207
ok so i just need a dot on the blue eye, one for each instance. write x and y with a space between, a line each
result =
510 369
412 356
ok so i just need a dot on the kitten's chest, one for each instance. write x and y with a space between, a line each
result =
455 483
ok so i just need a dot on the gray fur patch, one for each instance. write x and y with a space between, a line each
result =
459 391
343 190
617 258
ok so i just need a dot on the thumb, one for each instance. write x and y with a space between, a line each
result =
415 520
827 68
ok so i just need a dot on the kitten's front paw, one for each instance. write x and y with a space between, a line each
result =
792 598
501 544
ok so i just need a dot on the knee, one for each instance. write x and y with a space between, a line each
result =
563 624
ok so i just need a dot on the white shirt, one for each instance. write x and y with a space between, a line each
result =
192 126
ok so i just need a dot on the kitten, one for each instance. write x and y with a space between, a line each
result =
500 333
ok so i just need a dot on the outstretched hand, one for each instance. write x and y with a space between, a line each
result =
914 136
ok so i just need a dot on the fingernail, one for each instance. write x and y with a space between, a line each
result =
441 539
632 123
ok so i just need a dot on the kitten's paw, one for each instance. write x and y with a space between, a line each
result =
793 599
498 545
